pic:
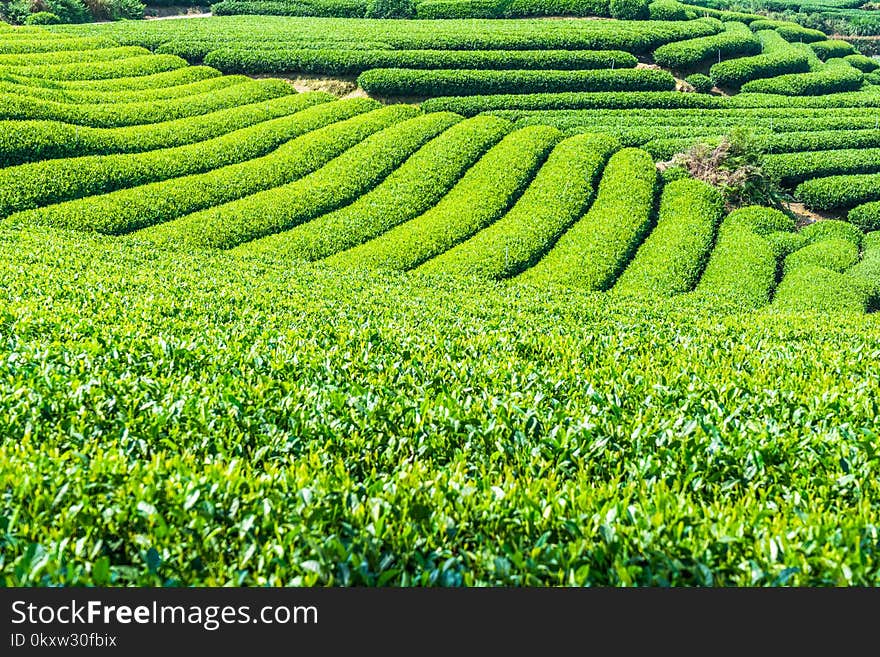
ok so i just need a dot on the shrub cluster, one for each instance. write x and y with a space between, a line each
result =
672 258
391 82
52 181
736 41
345 124
832 79
481 197
412 189
778 58
29 141
743 266
595 250
353 62
339 182
557 197
839 192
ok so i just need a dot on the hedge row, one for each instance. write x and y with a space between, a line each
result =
52 181
813 288
131 84
833 48
833 253
791 142
42 44
558 196
130 67
30 141
867 271
788 121
832 229
412 189
334 9
670 10
391 82
637 37
14 106
839 192
863 63
481 197
354 62
195 50
866 216
471 105
339 182
595 250
99 97
673 256
736 41
793 168
130 209
779 57
834 78
742 268
423 10
85 57
789 31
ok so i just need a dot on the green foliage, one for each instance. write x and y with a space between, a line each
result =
332 8
66 11
339 182
160 80
839 192
85 57
52 181
812 288
82 96
863 63
411 190
527 8
866 216
628 10
833 229
816 140
702 84
670 10
867 270
792 168
736 41
778 58
830 80
391 9
135 207
42 18
558 196
243 32
829 253
595 250
833 48
320 61
24 141
131 66
391 82
789 31
107 115
742 268
481 197
672 258
358 408
46 43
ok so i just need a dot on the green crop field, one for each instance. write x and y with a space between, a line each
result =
319 297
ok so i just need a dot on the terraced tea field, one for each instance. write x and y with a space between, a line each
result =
463 326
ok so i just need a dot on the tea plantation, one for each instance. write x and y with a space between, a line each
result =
466 325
